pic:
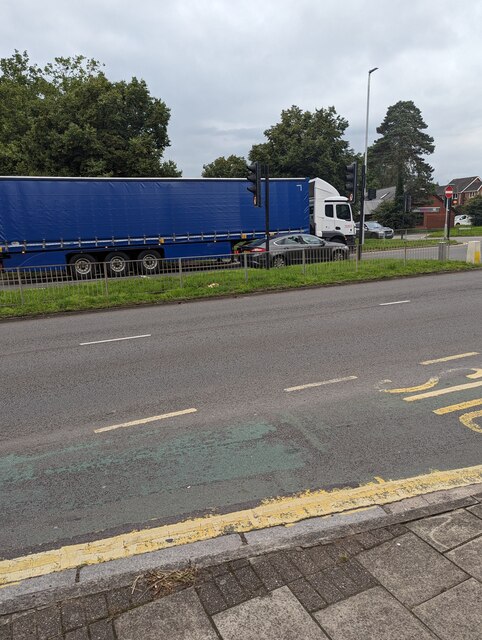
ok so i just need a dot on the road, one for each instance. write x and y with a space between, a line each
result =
136 417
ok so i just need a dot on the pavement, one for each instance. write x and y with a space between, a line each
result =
410 569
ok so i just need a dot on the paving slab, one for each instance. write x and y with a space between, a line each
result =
411 569
276 616
455 614
371 615
176 617
469 557
476 510
447 530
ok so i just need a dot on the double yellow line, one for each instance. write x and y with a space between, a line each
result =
277 512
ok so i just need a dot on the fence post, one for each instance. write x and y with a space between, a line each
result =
356 259
442 251
106 280
20 286
303 250
245 260
405 254
180 272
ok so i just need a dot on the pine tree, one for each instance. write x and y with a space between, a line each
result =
396 158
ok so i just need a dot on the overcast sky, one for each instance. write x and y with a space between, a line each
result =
226 68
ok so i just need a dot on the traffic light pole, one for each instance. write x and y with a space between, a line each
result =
266 211
361 228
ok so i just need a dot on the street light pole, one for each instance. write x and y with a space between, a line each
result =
368 111
361 231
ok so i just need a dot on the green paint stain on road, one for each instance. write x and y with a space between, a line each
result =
140 464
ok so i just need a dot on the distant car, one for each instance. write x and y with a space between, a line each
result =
463 220
288 248
376 230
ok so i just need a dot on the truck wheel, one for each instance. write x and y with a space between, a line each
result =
117 263
81 266
150 261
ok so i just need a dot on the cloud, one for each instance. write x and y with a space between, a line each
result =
227 68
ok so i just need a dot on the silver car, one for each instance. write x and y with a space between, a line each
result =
376 230
293 248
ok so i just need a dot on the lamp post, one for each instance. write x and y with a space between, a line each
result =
368 111
361 232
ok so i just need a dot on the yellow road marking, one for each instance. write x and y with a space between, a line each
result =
441 392
421 387
468 420
458 407
134 423
447 358
280 511
477 374
319 384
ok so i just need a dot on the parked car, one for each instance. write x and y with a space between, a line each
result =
463 220
376 230
288 248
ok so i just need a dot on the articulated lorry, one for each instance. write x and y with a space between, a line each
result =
77 222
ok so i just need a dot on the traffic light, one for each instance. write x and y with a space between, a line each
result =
351 180
254 176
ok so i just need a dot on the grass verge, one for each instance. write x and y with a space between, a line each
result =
372 244
459 231
79 296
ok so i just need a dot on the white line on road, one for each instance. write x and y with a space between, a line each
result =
385 304
146 335
135 423
320 384
447 358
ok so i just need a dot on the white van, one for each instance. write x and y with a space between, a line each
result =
463 220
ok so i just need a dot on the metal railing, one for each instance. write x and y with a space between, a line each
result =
61 284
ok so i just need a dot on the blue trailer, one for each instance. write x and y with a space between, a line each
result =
76 222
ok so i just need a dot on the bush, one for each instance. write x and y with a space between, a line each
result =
473 208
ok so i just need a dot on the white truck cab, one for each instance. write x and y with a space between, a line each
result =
331 216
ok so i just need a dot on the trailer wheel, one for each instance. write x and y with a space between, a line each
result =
150 261
81 266
117 263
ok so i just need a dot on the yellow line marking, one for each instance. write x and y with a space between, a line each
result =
457 407
477 374
447 358
270 513
134 423
441 392
467 419
421 387
319 384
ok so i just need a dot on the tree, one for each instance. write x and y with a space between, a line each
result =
307 144
391 214
230 167
397 157
68 119
473 207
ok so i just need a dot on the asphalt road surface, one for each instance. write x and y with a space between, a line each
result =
145 416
